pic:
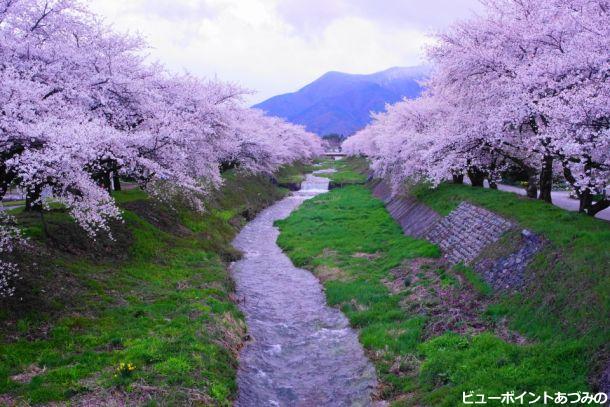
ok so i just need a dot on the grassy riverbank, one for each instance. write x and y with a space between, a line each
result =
350 171
147 316
434 331
291 176
570 292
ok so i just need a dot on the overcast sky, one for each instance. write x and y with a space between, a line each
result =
278 46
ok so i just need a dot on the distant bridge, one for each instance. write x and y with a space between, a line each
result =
334 154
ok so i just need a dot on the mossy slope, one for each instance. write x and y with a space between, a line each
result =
158 297
348 239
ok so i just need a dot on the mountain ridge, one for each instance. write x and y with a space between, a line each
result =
341 103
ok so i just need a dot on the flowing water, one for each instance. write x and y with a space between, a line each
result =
303 352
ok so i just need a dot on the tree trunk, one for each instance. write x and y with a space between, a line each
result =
492 174
585 197
106 183
7 176
585 201
227 165
6 179
458 178
532 186
4 182
32 199
116 181
476 176
546 180
597 207
45 228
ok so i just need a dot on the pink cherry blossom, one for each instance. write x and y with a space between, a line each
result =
80 108
525 86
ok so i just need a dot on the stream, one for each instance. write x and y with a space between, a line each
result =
302 352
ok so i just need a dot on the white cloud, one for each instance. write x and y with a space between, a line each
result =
277 46
312 15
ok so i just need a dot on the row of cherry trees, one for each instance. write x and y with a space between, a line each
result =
80 110
524 88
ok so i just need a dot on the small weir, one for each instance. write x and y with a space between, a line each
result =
303 352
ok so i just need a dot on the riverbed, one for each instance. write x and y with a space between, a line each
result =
302 352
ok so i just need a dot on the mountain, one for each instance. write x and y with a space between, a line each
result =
341 103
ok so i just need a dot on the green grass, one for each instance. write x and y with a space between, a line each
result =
475 280
488 365
566 332
157 297
570 291
326 232
350 170
157 324
293 174
13 203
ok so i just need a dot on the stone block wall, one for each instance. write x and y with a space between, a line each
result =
467 231
415 218
509 272
463 235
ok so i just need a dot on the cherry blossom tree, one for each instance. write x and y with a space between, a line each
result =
10 237
524 86
80 108
262 144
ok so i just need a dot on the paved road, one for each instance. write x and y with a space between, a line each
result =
8 208
560 198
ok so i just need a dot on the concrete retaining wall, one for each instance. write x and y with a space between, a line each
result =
415 218
463 235
467 231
